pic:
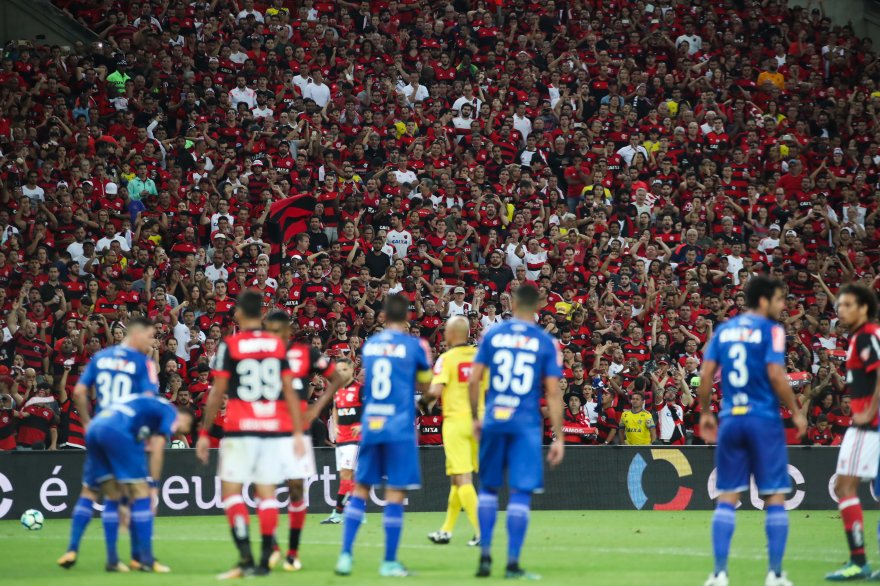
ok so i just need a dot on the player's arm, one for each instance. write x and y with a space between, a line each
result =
157 456
474 384
554 413
221 369
81 402
873 363
776 372
612 437
708 424
779 381
621 425
652 429
438 383
334 381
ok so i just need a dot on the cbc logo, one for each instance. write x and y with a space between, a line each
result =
755 498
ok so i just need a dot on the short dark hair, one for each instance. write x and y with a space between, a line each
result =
761 287
396 308
278 316
139 322
526 296
863 296
250 304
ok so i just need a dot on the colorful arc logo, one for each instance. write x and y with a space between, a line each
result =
637 470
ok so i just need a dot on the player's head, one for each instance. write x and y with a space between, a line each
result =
457 331
345 368
249 307
856 304
525 300
396 309
185 420
277 323
765 296
140 334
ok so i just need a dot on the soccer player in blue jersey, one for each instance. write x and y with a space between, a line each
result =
749 353
396 366
524 363
113 374
115 456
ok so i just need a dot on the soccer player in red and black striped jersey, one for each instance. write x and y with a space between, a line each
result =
262 413
348 407
860 450
305 362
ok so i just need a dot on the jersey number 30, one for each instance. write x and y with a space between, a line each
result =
112 388
515 372
738 376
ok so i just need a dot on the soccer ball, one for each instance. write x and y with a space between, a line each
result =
32 520
178 444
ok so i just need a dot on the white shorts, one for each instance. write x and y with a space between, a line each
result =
347 457
300 468
261 460
859 454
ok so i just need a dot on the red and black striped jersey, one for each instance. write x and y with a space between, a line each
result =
349 404
862 362
254 362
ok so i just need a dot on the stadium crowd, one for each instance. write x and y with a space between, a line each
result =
637 161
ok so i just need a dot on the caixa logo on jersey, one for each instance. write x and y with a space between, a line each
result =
670 489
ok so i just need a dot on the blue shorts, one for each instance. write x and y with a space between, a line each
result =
111 453
396 464
518 453
751 446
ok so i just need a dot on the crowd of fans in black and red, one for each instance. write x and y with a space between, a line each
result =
637 161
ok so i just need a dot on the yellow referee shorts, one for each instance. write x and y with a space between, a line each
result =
460 446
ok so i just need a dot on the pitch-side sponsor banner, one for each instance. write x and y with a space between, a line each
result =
622 478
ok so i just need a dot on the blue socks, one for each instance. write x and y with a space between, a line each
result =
393 522
723 524
110 520
142 529
776 525
82 516
517 523
486 513
352 517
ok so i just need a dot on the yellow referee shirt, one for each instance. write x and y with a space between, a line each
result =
638 427
453 369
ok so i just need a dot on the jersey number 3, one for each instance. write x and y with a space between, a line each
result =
738 376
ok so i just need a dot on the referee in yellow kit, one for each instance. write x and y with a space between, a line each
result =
450 383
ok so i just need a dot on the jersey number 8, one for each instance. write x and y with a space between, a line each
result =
259 379
513 372
380 375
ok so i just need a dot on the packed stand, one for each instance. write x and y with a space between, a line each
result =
638 162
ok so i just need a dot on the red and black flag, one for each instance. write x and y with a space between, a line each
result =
287 218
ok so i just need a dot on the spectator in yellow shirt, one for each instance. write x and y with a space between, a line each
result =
637 425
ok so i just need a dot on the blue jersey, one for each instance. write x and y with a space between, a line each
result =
392 362
743 347
518 355
137 417
120 372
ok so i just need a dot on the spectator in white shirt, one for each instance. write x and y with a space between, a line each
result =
521 122
317 90
249 10
458 306
262 109
302 79
628 152
694 41
241 93
771 241
31 190
468 98
405 175
399 237
413 91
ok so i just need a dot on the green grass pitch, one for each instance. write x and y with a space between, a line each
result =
566 547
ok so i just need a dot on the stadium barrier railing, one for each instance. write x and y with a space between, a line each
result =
609 478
